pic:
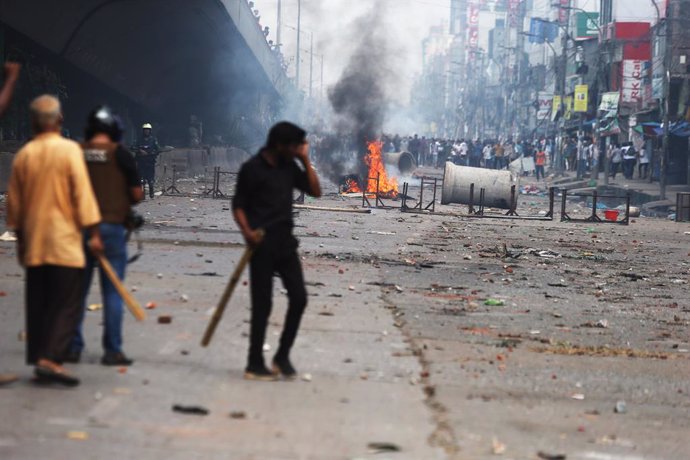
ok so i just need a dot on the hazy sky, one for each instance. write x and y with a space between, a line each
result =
406 22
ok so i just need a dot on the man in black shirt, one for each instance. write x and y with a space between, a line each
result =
263 200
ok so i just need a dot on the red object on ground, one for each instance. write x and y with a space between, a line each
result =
611 215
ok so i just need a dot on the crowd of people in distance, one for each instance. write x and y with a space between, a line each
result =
579 155
488 153
266 30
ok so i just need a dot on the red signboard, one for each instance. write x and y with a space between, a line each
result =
474 37
513 12
473 14
563 11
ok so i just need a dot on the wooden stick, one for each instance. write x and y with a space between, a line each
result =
225 298
323 208
130 301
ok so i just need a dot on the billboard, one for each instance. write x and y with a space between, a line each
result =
556 107
563 11
587 25
631 87
545 104
581 98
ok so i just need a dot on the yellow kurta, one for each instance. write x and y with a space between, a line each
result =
50 201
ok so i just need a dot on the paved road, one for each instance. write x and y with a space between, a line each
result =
398 340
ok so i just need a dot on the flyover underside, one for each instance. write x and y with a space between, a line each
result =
172 57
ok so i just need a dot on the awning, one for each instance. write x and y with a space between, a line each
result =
679 129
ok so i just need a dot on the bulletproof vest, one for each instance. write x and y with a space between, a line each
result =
108 181
148 144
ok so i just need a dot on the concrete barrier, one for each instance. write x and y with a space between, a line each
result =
496 184
191 162
404 161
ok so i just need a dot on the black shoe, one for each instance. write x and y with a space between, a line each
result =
73 357
47 375
260 373
284 367
116 359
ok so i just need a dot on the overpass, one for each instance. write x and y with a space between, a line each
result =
170 58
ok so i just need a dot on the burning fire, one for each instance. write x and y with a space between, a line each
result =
374 160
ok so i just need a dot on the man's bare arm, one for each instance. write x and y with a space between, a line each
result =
312 179
11 76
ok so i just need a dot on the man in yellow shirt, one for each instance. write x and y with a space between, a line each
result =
49 203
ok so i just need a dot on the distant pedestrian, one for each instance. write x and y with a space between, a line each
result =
463 151
616 159
147 155
582 158
50 201
263 200
414 146
499 154
488 156
117 186
540 162
570 151
629 158
643 163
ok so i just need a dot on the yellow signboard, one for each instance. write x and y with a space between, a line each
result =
581 98
568 107
556 107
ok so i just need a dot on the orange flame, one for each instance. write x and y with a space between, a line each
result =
377 169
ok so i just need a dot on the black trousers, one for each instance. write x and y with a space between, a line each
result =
275 256
53 308
539 169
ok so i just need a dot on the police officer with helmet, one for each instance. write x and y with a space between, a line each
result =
147 154
117 186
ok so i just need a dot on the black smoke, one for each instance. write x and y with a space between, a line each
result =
359 98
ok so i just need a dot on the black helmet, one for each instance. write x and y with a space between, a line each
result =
102 119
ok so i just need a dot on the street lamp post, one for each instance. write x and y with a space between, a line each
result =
299 27
279 22
667 91
311 64
563 77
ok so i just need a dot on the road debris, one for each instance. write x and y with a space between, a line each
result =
190 410
494 303
78 435
620 408
546 456
164 319
497 447
381 447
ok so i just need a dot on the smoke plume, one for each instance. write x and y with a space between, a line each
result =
360 99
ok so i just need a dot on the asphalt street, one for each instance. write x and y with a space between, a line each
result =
426 337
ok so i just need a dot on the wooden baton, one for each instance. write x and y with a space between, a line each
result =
130 301
229 289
